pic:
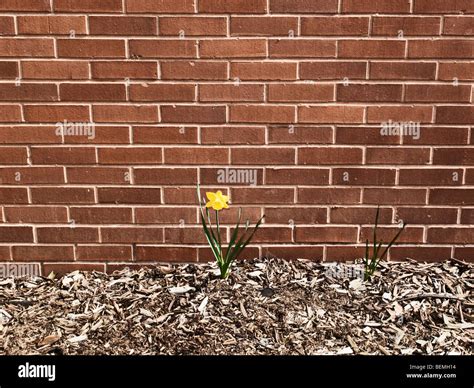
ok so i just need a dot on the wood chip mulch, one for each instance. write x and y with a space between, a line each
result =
267 306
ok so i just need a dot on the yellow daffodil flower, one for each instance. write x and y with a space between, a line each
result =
217 200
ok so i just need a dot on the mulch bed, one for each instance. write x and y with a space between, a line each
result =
267 306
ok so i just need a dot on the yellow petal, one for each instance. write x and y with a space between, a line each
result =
211 196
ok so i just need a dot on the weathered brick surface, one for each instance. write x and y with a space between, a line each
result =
300 99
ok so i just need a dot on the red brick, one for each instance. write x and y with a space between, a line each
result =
9 70
325 234
87 6
193 26
363 177
300 135
12 234
67 235
270 71
369 93
165 135
37 214
406 26
262 195
200 155
29 135
162 92
440 48
263 26
52 70
165 176
458 26
344 114
43 253
159 253
402 70
359 215
13 195
122 25
453 156
200 70
300 92
298 215
329 155
379 6
371 49
431 177
467 217
12 47
28 92
450 235
162 6
92 92
242 177
25 5
448 71
335 26
163 48
270 156
31 175
232 135
122 70
91 48
62 195
303 6
13 155
389 196
267 234
293 252
428 215
262 114
455 114
125 113
451 197
132 235
441 93
231 92
413 113
420 253
193 114
128 156
7 25
186 195
300 176
439 135
184 235
52 25
394 156
56 113
103 135
104 253
443 6
336 71
165 215
329 196
307 48
125 195
409 235
63 155
344 253
235 6
233 48
10 114
364 135
98 175
464 253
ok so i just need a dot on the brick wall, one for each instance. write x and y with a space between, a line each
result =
301 100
